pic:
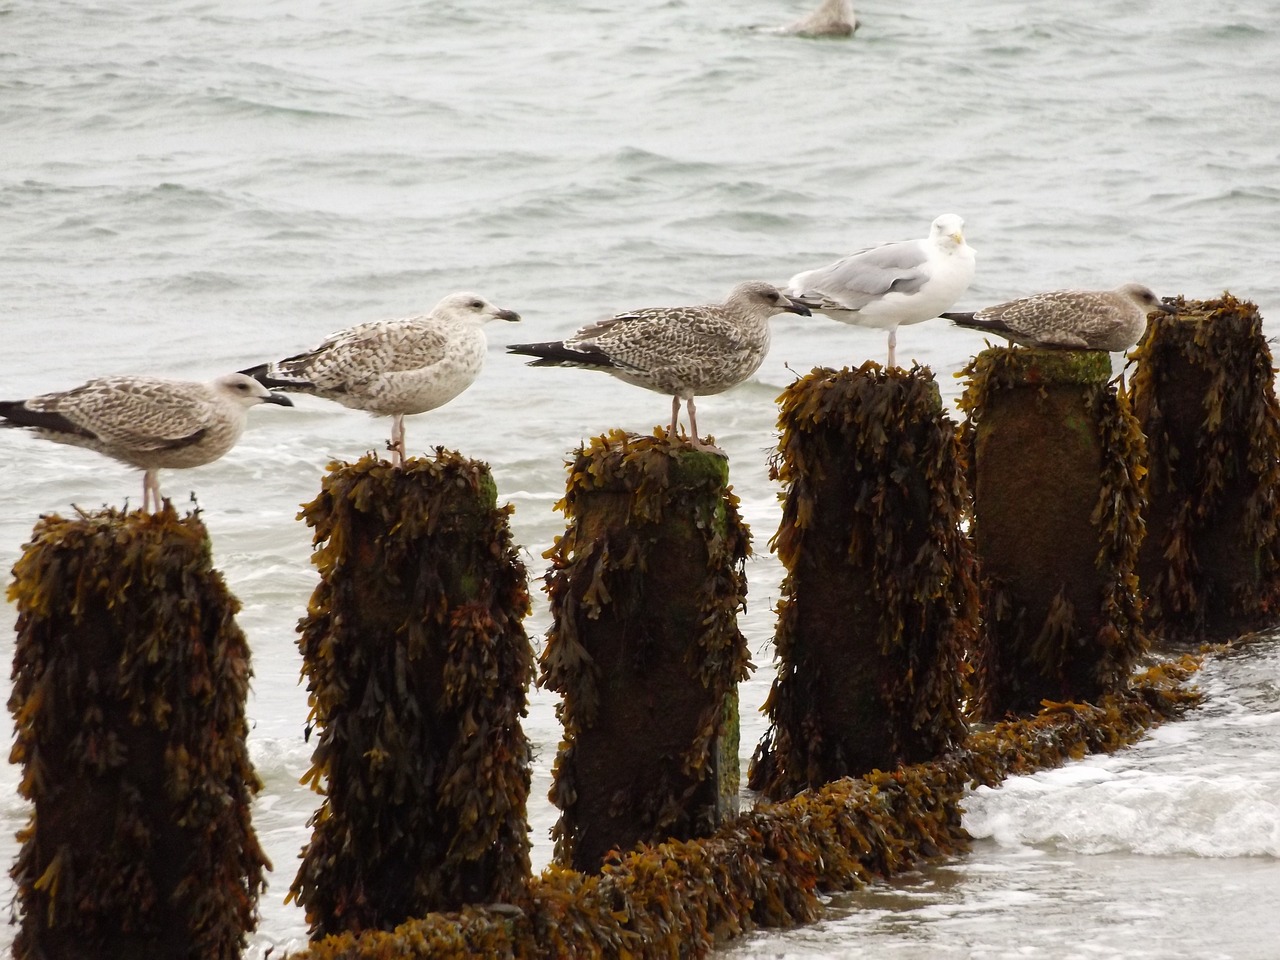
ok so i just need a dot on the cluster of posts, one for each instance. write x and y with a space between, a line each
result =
935 574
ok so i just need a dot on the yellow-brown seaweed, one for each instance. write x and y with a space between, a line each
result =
417 665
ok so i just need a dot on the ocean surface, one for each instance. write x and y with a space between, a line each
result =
190 187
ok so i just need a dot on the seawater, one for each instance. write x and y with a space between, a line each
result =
189 187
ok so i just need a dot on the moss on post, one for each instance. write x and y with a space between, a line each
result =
880 599
645 586
1057 463
417 666
1204 392
130 677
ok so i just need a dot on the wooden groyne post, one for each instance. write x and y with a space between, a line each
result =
879 603
130 678
1057 461
1204 393
645 649
418 665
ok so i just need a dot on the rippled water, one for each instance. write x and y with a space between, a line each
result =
189 187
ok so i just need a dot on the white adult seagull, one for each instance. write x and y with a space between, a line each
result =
885 286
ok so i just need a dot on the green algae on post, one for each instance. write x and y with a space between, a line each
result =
1204 392
129 684
1057 469
417 665
645 586
879 603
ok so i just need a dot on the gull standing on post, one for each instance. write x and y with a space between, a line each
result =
907 281
145 422
394 368
1111 320
685 352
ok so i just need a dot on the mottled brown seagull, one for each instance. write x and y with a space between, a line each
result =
146 422
1111 320
685 352
394 368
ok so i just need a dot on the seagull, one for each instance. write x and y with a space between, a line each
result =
394 368
894 283
146 422
834 18
1111 320
681 351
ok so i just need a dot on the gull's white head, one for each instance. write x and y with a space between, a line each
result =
247 391
470 306
947 230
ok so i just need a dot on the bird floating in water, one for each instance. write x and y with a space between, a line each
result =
146 422
834 18
892 284
1111 320
685 352
394 368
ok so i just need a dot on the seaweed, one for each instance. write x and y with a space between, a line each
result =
129 684
1203 389
879 603
771 867
645 586
1057 462
417 665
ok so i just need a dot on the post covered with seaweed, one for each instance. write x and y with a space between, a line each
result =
1204 392
879 603
130 678
417 665
645 649
1057 464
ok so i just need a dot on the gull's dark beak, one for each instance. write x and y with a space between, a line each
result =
798 306
1167 307
279 398
507 315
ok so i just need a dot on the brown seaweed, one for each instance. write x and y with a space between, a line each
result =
879 604
129 684
417 666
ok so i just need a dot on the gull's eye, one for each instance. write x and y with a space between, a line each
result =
476 304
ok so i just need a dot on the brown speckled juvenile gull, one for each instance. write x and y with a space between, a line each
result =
146 422
834 18
686 352
894 283
1111 320
393 368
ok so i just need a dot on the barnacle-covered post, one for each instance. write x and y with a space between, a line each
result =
645 586
1204 392
129 685
1057 464
417 664
880 599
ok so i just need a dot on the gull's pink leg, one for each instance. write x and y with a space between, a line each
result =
893 344
675 416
